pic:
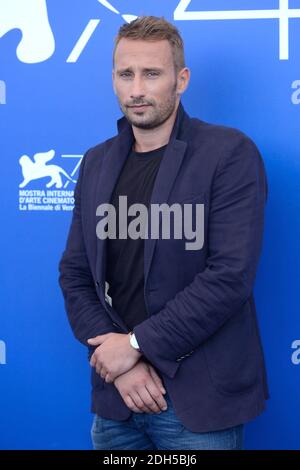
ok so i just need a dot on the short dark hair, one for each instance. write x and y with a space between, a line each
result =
153 28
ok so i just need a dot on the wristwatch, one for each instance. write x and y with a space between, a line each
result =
133 342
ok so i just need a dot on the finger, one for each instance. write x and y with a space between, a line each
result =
157 379
139 402
109 378
97 340
103 373
131 405
148 400
157 396
93 361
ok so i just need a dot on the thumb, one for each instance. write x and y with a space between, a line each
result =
96 340
157 379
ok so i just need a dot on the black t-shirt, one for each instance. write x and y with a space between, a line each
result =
125 257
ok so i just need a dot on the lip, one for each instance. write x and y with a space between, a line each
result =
139 106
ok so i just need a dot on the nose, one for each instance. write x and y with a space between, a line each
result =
137 90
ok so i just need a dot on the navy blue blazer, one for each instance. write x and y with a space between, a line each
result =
201 334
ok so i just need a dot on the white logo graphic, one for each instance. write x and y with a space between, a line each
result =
31 17
126 17
90 28
38 169
2 352
37 43
296 353
58 199
296 94
2 92
283 14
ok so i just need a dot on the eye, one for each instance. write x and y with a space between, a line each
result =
125 74
152 74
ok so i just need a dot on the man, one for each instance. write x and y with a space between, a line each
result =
170 324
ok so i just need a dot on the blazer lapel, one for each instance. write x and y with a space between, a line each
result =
166 175
113 161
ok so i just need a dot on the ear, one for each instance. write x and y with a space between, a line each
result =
183 79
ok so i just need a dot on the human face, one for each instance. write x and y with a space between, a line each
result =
145 82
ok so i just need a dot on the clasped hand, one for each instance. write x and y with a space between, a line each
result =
113 356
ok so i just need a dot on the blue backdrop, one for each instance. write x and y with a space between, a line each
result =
56 100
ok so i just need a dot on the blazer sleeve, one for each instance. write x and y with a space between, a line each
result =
86 315
235 231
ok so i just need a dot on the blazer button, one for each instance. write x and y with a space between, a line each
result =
97 283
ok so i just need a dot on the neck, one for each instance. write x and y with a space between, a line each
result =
151 139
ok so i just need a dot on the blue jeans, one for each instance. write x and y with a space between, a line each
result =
145 431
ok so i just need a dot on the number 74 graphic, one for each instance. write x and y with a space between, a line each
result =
283 14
